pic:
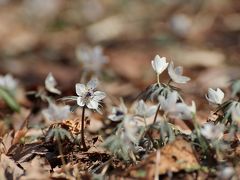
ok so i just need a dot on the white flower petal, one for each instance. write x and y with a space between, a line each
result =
115 118
80 101
176 74
50 83
215 97
159 64
80 89
211 131
99 95
151 111
92 104
92 84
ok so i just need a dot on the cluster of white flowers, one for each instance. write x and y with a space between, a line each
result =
159 64
92 59
130 120
8 82
174 108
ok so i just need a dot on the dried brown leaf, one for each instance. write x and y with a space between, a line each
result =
174 157
38 169
10 167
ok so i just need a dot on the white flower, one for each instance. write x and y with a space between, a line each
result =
169 104
118 113
144 111
88 96
172 107
131 128
186 112
159 64
211 131
215 97
176 74
55 112
8 82
50 84
92 59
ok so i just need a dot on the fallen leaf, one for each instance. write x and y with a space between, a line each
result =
10 168
174 157
38 168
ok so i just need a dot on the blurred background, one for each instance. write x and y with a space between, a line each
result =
59 36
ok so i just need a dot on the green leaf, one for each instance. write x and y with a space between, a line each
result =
235 88
9 99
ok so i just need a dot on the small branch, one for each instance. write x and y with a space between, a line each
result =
82 130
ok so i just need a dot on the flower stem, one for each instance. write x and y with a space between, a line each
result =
201 140
82 130
158 80
155 117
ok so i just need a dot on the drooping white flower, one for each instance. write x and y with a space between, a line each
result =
211 131
118 113
51 83
159 64
56 112
215 96
169 104
186 112
8 82
131 128
176 74
143 110
178 109
88 96
92 59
